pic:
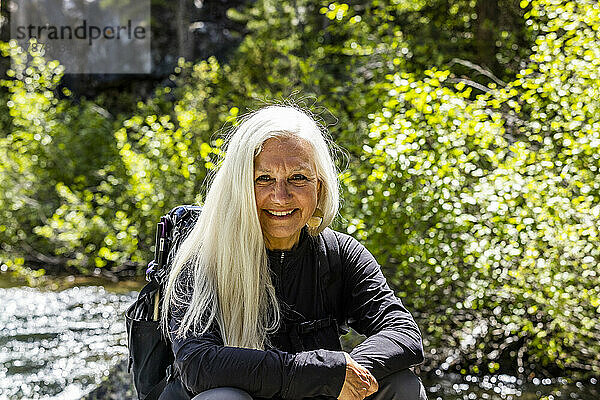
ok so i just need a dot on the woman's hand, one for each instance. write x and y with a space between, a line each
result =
359 382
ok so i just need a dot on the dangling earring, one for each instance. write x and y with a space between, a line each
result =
315 221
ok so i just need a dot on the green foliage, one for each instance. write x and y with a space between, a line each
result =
104 183
485 212
54 150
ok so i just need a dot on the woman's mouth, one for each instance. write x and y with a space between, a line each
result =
280 214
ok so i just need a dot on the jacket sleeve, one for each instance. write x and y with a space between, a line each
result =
203 363
393 339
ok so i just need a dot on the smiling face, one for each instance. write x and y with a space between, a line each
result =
286 189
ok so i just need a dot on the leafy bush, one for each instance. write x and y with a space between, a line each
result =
486 212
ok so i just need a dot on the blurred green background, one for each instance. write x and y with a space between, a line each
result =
471 131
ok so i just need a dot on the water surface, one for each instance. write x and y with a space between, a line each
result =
59 344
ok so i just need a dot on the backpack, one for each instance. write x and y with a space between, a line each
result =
150 355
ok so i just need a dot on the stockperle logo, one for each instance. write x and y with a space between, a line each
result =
92 36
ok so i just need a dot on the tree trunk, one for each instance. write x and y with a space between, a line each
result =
183 24
488 18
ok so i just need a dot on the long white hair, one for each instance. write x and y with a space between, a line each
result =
224 258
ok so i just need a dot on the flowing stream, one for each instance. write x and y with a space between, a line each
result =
61 344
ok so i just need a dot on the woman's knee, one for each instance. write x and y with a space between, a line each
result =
402 385
223 393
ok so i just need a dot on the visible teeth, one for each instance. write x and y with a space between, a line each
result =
281 213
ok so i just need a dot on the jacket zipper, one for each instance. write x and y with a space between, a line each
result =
281 270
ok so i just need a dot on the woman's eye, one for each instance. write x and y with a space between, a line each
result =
298 177
263 178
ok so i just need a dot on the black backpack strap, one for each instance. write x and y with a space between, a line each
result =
332 248
330 265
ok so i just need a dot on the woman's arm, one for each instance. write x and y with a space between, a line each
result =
393 339
203 363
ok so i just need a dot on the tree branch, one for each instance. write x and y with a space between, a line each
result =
479 69
471 83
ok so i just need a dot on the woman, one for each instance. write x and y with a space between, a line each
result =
260 288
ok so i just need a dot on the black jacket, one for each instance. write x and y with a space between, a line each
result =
317 299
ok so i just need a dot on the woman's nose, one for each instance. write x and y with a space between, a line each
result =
281 192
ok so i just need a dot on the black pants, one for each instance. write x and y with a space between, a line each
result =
403 385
